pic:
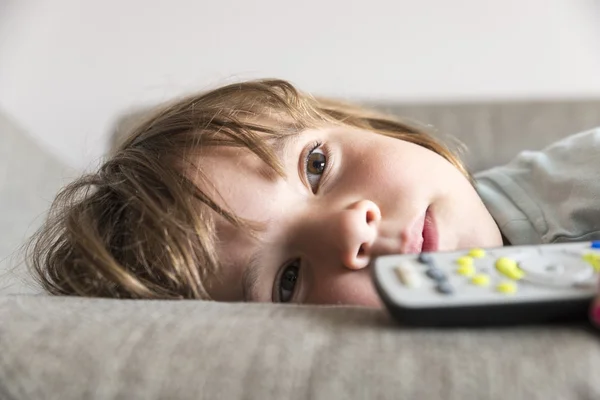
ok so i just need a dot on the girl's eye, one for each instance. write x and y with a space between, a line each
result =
287 282
316 164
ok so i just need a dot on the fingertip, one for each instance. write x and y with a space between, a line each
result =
595 313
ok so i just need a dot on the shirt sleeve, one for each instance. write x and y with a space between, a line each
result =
547 196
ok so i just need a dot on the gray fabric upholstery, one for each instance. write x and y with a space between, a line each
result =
69 348
494 133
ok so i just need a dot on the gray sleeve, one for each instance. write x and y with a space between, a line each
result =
547 196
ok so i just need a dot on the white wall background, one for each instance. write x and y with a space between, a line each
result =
68 67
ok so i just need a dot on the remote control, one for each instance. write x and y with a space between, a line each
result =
492 286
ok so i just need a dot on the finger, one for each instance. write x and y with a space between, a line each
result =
595 312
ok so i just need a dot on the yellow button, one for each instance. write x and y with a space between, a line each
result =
507 287
480 280
477 253
504 263
509 268
466 270
514 274
593 259
464 261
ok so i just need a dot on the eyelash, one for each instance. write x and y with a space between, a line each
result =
328 161
314 146
277 295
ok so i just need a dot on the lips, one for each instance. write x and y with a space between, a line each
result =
429 234
422 237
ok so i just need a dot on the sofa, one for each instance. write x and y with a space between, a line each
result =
84 348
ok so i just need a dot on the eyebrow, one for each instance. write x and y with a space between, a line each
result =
282 145
254 269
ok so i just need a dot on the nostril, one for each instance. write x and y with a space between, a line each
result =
372 216
361 250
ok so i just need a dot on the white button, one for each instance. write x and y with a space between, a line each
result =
408 275
557 268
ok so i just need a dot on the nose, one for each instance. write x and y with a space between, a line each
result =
355 231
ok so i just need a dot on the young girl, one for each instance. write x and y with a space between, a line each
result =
258 192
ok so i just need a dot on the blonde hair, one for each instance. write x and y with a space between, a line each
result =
140 228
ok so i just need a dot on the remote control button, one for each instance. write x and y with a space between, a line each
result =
477 253
506 263
514 274
509 268
596 244
425 258
507 287
408 276
554 269
466 270
480 280
464 261
593 259
436 274
444 287
584 277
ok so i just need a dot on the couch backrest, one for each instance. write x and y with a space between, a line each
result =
492 132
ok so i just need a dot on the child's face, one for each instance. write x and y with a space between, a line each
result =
361 196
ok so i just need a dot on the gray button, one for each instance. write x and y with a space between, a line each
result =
436 274
425 258
444 287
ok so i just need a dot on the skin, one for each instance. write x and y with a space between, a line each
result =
371 200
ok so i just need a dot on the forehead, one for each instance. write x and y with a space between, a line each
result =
235 177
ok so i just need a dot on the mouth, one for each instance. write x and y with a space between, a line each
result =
422 237
429 233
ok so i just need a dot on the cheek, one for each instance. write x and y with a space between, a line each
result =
354 289
399 165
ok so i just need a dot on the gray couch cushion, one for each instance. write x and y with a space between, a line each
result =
69 348
72 348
